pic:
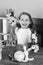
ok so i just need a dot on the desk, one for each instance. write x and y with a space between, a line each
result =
8 62
38 58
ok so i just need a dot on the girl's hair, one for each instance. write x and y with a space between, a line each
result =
25 13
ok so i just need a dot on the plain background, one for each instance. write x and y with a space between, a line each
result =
34 7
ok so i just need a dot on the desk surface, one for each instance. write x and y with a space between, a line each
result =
38 60
7 62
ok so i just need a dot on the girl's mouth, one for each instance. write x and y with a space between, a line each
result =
24 24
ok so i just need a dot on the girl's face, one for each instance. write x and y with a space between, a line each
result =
24 21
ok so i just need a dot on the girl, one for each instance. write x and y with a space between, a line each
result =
26 35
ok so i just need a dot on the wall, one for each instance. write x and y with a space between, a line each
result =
34 7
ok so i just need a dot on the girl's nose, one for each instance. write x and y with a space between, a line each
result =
24 21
